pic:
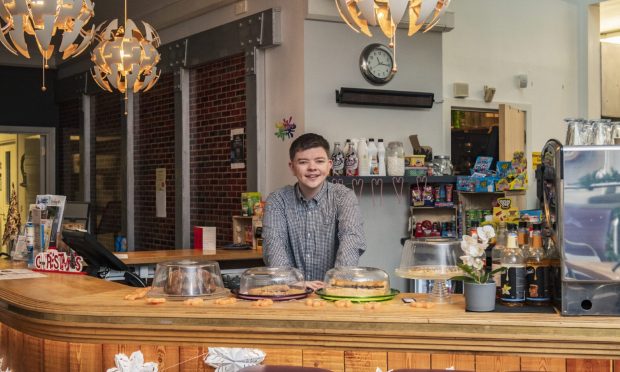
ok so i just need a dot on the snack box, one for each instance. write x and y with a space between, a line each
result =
484 184
483 165
465 183
414 161
531 215
415 171
248 199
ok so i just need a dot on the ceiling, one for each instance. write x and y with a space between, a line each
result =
610 16
159 13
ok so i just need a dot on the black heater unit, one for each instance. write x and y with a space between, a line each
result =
379 97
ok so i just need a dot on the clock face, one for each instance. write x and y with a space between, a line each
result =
380 63
377 64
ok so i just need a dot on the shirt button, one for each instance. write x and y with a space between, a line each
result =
308 235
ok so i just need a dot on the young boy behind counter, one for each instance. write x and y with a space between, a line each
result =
313 225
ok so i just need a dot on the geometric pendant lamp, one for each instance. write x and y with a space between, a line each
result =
125 58
43 20
387 14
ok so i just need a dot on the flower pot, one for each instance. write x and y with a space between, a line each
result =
480 297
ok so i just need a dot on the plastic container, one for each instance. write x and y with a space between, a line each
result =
395 159
352 281
272 281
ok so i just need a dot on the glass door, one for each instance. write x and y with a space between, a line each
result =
23 168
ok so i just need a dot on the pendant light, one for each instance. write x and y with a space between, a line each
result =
44 19
387 14
125 58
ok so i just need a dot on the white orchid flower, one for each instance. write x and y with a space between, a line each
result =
467 260
468 240
485 233
474 250
478 264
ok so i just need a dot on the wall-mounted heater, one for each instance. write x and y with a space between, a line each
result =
380 97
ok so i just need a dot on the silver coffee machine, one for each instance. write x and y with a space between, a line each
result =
579 191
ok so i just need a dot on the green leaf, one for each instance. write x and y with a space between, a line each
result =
500 269
466 279
468 269
484 278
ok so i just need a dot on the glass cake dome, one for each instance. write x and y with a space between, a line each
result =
187 278
272 281
353 281
432 259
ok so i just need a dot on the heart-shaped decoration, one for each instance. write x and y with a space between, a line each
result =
399 191
379 183
355 183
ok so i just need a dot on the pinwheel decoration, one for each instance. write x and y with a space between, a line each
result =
285 128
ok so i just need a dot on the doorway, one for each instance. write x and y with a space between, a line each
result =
27 167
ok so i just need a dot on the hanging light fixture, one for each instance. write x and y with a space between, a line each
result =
387 14
125 58
43 19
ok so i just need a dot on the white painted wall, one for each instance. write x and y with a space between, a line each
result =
494 41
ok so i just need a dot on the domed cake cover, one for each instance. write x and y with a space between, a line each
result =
187 278
355 281
430 259
272 281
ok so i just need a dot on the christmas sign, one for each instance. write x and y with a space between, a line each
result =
54 261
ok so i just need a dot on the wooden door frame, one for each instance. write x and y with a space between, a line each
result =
448 103
50 156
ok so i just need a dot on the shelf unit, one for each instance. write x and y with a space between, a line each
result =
485 200
438 214
347 180
244 230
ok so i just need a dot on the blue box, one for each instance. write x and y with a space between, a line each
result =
484 184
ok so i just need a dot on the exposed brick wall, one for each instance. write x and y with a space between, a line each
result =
69 149
154 148
217 105
106 171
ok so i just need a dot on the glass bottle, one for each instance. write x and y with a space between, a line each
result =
364 160
496 255
381 157
373 156
351 161
337 160
523 236
537 271
513 278
473 229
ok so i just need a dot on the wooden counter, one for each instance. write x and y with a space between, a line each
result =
227 258
78 323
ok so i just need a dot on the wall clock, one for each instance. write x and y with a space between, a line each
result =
377 64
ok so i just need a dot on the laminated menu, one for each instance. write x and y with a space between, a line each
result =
51 208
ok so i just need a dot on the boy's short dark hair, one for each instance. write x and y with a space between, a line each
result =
308 141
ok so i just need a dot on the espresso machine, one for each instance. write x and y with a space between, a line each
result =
578 188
